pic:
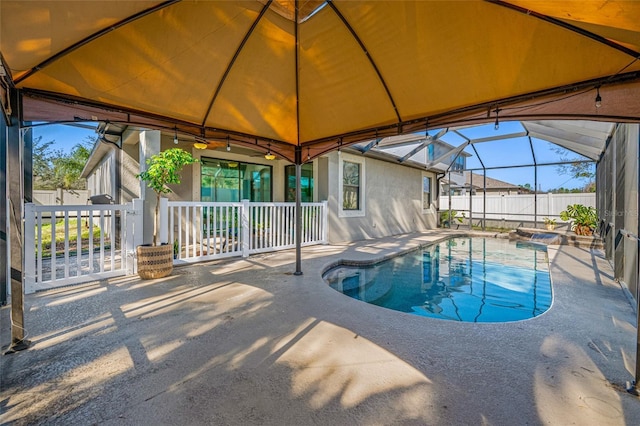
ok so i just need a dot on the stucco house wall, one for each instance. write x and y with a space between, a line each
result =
391 193
392 200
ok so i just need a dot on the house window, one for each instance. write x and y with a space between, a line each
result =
426 193
233 181
458 164
350 186
351 191
430 152
306 182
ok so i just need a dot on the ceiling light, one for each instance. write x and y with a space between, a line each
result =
269 155
598 98
175 136
228 145
200 145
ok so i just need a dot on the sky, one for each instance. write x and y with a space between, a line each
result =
65 137
493 154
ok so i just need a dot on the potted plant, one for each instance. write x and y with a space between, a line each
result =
156 260
446 219
584 219
549 223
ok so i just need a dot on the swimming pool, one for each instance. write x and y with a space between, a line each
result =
470 279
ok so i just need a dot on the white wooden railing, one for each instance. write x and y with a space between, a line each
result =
206 230
98 241
102 246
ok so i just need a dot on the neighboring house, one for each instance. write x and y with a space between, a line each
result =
493 186
369 195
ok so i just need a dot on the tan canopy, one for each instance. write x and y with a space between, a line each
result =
317 75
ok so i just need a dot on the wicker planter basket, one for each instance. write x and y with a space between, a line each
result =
155 261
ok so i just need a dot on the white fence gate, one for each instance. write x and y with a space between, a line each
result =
87 242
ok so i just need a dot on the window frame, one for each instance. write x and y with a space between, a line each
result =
204 160
312 191
431 197
361 211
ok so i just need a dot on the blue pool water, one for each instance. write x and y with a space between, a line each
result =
462 279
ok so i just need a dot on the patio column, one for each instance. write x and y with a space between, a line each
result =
149 146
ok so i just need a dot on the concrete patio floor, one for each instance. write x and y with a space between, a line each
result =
244 341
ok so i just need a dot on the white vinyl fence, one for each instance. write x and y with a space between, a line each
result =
84 243
517 207
51 197
207 230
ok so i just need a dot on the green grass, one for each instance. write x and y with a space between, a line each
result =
73 234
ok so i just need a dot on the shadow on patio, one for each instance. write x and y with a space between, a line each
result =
246 342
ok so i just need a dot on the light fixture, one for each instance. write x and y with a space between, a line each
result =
269 155
598 98
228 145
200 145
308 153
175 135
497 125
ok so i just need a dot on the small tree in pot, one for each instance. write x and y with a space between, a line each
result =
162 169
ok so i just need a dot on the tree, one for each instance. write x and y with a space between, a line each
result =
575 166
68 167
42 168
164 169
53 169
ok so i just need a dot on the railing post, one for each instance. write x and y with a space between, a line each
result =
30 249
135 233
325 222
246 230
163 222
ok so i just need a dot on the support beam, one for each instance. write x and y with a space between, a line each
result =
15 200
370 145
298 211
4 221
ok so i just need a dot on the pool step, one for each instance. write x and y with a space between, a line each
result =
556 237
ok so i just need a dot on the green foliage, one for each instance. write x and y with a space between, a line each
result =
49 248
53 169
581 217
446 220
575 166
164 169
549 221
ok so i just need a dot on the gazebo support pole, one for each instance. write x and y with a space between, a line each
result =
15 173
298 160
633 387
